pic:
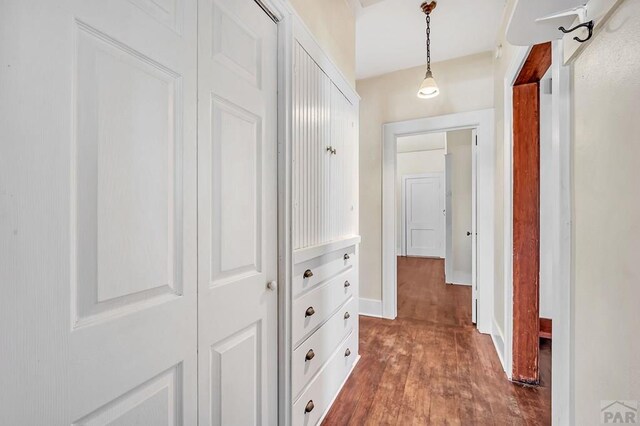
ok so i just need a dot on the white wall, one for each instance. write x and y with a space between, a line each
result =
459 147
333 24
546 200
606 216
466 84
411 163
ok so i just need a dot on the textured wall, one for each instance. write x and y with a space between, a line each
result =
606 216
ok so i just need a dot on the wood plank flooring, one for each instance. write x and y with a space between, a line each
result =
431 366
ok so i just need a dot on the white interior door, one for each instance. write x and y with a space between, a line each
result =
424 211
474 227
98 263
237 216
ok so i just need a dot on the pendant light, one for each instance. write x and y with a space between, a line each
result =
429 88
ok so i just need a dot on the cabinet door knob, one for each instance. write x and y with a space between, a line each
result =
309 355
272 285
309 407
310 311
308 273
347 315
347 352
346 256
347 284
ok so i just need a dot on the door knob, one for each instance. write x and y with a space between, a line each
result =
309 407
347 352
310 355
310 311
308 273
347 315
272 285
468 233
346 256
347 284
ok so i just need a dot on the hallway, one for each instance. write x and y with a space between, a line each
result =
431 366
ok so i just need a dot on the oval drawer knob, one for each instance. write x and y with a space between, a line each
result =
347 352
347 315
308 273
347 284
309 407
346 256
310 355
310 311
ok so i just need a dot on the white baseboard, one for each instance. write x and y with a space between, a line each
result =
371 307
498 342
460 278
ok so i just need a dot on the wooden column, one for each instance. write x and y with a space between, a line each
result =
526 231
526 214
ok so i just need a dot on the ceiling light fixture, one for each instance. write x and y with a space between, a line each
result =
429 88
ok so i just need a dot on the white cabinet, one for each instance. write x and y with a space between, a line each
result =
322 300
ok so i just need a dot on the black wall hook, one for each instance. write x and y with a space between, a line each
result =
588 25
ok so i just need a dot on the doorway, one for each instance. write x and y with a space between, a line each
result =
482 121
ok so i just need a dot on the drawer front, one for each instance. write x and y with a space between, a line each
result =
325 385
311 355
317 306
315 272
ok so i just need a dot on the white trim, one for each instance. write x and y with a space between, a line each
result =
562 355
498 342
371 307
510 77
483 120
403 218
460 278
283 11
449 276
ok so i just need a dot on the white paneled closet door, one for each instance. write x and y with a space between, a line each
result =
98 206
237 220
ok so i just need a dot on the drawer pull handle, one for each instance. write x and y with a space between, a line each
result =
346 256
347 315
347 352
309 407
347 284
309 355
310 311
308 273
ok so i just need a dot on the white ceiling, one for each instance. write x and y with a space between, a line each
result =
390 34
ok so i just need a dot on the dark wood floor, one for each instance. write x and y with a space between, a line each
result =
431 366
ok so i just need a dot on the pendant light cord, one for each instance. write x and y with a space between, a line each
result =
428 42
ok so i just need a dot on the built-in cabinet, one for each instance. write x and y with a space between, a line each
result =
323 298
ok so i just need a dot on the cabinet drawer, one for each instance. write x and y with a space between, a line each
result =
316 271
316 306
325 385
318 348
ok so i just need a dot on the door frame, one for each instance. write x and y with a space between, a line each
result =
483 121
562 356
403 219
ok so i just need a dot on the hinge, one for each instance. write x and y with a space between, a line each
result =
476 140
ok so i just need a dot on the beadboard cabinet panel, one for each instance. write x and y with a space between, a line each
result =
324 143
